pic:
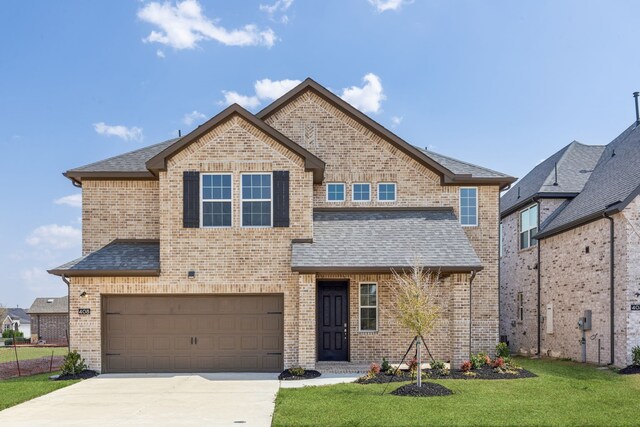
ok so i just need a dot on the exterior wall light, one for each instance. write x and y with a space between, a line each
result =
83 294
191 274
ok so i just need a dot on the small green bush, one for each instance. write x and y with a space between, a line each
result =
9 341
10 334
297 371
635 355
437 365
385 365
73 364
502 350
476 362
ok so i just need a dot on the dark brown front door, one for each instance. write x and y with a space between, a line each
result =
333 320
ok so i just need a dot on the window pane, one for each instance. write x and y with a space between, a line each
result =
533 216
216 214
216 187
361 192
368 319
386 192
256 214
256 186
468 210
335 192
524 221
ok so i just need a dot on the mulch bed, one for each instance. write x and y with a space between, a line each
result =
308 374
81 376
630 370
484 373
427 390
30 367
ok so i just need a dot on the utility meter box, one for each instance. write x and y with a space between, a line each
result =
585 322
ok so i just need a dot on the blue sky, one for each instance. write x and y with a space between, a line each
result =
502 84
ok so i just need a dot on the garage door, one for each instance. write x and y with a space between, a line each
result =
232 333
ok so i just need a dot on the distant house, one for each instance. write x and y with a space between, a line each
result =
18 320
50 320
570 254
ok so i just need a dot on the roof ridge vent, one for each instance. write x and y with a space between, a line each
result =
555 171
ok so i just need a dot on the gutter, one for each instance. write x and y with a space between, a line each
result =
68 282
473 276
611 283
539 280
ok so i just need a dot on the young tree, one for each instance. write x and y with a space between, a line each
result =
413 304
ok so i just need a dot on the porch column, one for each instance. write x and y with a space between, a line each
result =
307 321
460 321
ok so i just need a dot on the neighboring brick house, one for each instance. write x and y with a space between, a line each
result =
50 320
259 242
558 259
16 319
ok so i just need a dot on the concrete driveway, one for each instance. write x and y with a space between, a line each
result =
154 400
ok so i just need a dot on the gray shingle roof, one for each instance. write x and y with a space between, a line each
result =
463 168
373 240
133 161
612 184
50 305
120 257
18 313
575 163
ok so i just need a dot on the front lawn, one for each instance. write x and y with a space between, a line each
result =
18 390
564 393
7 354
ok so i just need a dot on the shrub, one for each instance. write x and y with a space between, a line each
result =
10 334
437 365
19 340
511 365
498 363
635 355
466 366
73 364
374 369
413 364
476 362
484 358
385 365
297 371
502 350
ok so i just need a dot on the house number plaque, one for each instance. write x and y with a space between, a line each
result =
635 307
84 311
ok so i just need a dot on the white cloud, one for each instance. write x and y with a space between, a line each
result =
396 120
384 5
368 97
128 134
280 6
265 89
192 117
182 26
74 200
160 54
55 236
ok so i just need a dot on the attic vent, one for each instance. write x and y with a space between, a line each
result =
49 301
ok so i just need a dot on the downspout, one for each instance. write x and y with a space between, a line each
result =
612 267
473 275
66 280
536 200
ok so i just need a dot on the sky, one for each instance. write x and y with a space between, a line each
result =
503 84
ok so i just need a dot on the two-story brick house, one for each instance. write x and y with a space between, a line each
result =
259 242
570 245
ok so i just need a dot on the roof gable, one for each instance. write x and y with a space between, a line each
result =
159 161
448 177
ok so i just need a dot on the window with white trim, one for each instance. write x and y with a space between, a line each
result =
528 226
216 200
469 206
520 306
386 192
361 192
335 192
368 307
256 200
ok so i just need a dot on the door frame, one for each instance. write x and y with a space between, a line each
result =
347 283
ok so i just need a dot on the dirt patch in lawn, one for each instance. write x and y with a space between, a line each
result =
30 367
427 390
630 370
81 376
308 374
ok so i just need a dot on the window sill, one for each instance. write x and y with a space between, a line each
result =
527 249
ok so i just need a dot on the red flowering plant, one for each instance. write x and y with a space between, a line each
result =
466 366
498 363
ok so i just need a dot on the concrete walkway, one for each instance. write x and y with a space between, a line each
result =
153 400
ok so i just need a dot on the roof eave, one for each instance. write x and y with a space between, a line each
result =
77 176
503 182
382 269
532 199
104 273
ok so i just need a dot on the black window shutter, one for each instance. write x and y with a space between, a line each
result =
191 199
280 198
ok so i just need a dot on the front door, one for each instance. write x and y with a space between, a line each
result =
333 321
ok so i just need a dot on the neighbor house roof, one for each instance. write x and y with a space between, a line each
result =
50 305
574 164
18 314
118 258
613 184
377 240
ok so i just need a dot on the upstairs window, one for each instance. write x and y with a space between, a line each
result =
368 307
469 206
361 192
335 192
216 200
256 200
528 226
386 192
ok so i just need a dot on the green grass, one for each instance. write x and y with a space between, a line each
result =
18 390
564 393
7 354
